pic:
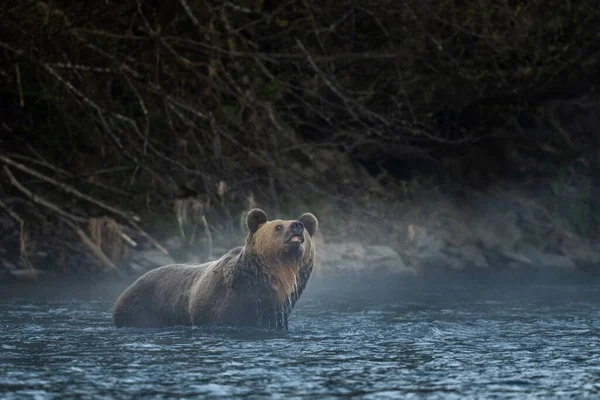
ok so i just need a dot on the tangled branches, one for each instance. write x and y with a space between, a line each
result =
134 104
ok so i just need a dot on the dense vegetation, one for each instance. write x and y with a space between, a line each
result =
201 109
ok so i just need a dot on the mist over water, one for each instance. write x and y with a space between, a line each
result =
456 339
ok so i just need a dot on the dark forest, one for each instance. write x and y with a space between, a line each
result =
456 133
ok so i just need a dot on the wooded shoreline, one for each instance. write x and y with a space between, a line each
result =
425 135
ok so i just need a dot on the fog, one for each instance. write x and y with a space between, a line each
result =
352 291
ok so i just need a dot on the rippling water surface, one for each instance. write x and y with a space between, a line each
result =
457 342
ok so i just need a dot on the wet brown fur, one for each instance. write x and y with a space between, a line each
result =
255 284
283 273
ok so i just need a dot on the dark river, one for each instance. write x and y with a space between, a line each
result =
452 341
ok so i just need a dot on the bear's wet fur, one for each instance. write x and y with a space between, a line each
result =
256 284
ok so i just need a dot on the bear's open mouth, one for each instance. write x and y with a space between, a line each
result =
296 239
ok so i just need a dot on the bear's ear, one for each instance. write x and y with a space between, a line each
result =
310 223
256 217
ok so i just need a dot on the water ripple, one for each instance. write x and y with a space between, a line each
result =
497 347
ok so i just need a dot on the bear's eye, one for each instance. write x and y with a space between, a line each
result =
279 227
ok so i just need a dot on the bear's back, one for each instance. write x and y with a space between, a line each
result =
160 297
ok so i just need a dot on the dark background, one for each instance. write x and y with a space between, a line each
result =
116 118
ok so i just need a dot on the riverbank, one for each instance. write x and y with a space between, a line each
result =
485 216
152 150
539 224
499 234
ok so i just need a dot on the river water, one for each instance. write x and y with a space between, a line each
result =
458 341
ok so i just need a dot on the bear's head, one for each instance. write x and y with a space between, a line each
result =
281 241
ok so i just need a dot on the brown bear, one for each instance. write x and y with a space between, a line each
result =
256 284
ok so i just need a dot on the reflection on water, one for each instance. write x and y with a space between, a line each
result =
530 342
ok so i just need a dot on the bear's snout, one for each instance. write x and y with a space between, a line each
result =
297 228
295 233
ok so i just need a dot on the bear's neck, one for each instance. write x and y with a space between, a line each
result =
280 277
284 280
